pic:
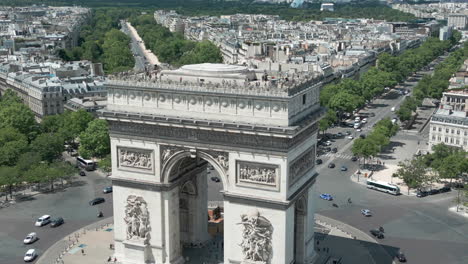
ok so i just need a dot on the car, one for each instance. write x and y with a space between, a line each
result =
433 191
350 137
30 238
30 255
331 165
343 168
334 150
348 133
339 134
357 119
82 173
366 212
318 161
326 196
327 149
392 109
107 189
97 201
215 179
353 158
394 120
357 125
43 220
363 136
328 143
363 121
377 233
444 189
422 194
358 130
401 257
57 222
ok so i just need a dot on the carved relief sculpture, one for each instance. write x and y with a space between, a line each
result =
302 165
167 152
137 219
133 158
256 238
257 173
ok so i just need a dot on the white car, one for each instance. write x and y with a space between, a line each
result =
366 212
328 143
357 119
30 238
364 120
350 137
358 130
43 220
30 255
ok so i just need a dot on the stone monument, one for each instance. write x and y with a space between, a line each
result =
258 134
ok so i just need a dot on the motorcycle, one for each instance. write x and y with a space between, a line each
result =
100 215
335 205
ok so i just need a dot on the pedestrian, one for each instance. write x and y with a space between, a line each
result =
115 259
82 252
109 259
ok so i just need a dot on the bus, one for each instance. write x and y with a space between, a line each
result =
88 165
383 187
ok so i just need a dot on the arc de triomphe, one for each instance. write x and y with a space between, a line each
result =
260 136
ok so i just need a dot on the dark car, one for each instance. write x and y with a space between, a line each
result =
362 136
377 233
107 189
353 158
56 222
421 194
97 201
444 189
331 165
334 150
434 191
344 168
401 257
339 134
215 179
319 161
82 173
328 149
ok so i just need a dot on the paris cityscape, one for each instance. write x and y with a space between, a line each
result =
234 131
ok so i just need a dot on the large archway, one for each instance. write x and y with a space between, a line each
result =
260 141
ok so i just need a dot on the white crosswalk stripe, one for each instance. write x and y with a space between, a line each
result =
335 155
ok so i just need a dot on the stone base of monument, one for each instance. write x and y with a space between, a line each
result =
136 252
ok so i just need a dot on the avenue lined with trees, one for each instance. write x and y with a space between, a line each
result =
102 41
173 48
31 152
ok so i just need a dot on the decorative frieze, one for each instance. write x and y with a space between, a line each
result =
301 165
221 157
168 151
257 174
210 137
135 159
256 238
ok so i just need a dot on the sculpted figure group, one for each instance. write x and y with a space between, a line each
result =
137 219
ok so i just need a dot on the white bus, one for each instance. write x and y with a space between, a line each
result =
88 165
383 187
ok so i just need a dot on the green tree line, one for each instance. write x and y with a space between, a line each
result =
31 152
378 138
173 48
102 41
432 86
362 9
348 94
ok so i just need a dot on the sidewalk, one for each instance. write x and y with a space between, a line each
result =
94 239
333 240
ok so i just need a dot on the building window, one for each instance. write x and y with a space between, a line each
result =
433 137
438 138
440 129
446 130
433 128
453 131
457 142
458 131
446 140
466 133
451 140
304 98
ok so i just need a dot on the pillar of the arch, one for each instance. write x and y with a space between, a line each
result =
170 228
309 217
199 211
282 235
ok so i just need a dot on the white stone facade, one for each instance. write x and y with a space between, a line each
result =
265 159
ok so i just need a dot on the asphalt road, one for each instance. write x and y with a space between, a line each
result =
18 220
422 228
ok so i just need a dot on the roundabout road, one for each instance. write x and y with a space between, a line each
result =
422 228
18 220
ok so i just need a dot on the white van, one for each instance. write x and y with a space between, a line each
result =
43 220
393 109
